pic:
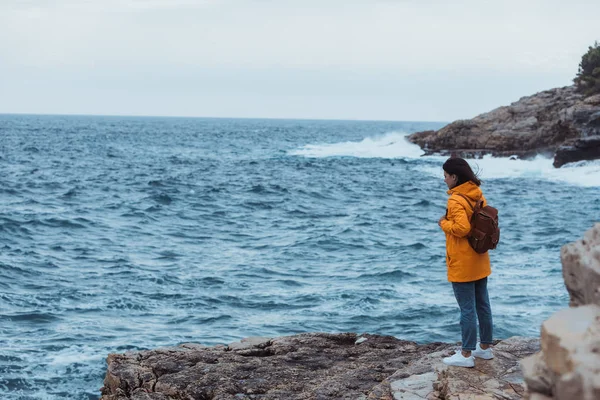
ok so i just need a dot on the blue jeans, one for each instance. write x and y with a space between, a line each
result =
472 298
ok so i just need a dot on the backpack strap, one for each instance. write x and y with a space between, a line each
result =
468 202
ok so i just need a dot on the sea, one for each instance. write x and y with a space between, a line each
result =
127 233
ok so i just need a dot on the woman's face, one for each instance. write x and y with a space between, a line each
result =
450 180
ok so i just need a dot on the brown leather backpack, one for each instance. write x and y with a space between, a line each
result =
485 232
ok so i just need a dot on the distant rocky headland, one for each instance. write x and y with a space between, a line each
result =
561 123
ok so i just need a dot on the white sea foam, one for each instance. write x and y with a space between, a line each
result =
395 145
585 173
73 355
390 145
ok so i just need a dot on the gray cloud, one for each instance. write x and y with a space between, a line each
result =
394 51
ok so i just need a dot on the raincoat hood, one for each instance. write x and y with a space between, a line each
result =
468 189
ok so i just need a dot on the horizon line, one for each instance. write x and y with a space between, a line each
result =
208 117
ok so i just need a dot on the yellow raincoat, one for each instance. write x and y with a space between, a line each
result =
464 264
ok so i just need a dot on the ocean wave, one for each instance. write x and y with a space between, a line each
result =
162 198
394 145
31 317
389 276
15 227
389 145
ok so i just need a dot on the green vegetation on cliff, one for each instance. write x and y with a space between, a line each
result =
588 77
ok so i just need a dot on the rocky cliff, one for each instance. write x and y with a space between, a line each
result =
558 122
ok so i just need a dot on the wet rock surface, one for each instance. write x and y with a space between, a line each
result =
559 121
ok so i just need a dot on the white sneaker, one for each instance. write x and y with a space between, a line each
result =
458 360
481 353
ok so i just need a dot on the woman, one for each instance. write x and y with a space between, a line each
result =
467 270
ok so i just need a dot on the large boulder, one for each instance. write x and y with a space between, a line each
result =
581 268
568 367
538 124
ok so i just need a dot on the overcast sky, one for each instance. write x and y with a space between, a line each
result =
426 60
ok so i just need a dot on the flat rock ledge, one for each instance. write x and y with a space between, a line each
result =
315 366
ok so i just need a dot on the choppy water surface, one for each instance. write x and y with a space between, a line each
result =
132 233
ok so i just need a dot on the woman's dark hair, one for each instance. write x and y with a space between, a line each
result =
459 167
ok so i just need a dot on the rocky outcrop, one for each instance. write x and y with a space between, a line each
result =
578 150
568 367
553 120
315 366
305 366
